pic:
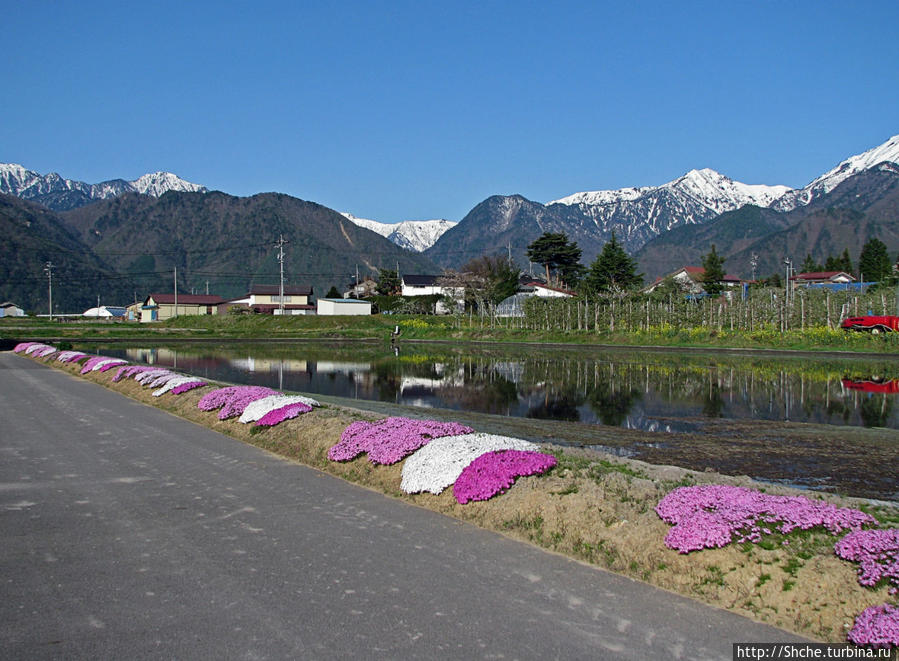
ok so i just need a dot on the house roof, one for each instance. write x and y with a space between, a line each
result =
420 280
187 299
543 285
8 304
820 275
345 300
275 290
699 271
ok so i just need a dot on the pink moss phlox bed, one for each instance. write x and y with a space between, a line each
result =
877 626
390 440
232 400
494 472
283 413
877 555
711 516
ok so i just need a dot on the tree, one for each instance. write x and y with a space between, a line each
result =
613 269
485 280
388 282
333 293
873 263
809 265
556 253
840 263
713 278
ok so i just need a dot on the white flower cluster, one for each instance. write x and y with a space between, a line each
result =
438 464
175 381
107 361
255 410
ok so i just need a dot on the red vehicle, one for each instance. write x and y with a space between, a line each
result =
888 386
871 323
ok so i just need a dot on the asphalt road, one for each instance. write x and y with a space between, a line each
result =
128 533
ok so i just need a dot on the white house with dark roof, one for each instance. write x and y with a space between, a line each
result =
821 278
266 299
427 285
690 280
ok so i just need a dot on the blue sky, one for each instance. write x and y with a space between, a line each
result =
412 110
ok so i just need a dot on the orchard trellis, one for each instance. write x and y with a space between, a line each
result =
762 309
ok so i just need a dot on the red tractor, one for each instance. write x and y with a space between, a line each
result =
872 324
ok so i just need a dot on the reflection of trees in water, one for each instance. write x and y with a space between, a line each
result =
875 410
713 406
493 394
558 406
612 403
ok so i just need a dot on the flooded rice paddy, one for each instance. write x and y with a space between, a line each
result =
828 423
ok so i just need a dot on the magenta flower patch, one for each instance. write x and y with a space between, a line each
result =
390 440
715 515
70 356
108 366
279 415
232 400
876 552
96 362
494 472
190 385
130 371
877 626
21 346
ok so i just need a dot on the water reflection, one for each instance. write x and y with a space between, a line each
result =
649 391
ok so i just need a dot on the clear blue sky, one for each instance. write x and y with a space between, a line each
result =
412 110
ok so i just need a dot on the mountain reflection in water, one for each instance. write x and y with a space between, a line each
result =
651 391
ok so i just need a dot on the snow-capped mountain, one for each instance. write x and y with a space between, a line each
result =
888 151
414 235
59 194
703 188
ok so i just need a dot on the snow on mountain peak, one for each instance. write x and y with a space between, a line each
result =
157 183
888 151
414 235
16 180
705 187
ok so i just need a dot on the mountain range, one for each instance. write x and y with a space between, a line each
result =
118 237
59 194
124 247
639 216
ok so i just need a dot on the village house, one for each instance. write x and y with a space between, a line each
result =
427 285
821 279
266 299
8 309
159 307
690 281
364 289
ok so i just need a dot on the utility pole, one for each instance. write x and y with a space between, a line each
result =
176 292
48 269
280 246
207 287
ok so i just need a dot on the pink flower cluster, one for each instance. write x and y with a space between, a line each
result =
21 346
232 400
190 385
390 440
876 551
70 356
276 416
712 516
495 472
98 362
35 349
877 626
130 371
